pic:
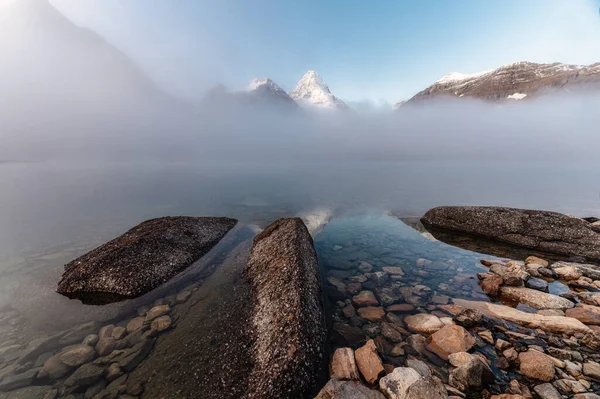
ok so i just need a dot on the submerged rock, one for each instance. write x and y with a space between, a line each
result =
288 322
540 230
143 258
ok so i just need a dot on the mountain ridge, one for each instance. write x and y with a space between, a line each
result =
515 81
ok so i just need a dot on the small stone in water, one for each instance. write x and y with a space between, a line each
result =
119 332
90 340
161 323
157 311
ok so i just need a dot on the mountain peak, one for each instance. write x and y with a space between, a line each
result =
264 83
312 90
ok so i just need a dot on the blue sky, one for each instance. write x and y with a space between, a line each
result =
365 50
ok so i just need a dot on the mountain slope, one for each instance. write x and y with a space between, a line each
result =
311 90
517 81
53 64
267 92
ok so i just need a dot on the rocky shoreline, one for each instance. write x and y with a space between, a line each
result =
409 319
398 339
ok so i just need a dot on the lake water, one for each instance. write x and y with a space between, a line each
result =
55 212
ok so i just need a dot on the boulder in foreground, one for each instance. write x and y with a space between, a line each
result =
143 258
539 230
287 322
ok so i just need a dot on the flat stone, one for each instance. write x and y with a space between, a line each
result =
536 260
420 366
336 389
119 332
448 340
141 259
568 272
536 365
371 313
531 320
106 346
365 298
161 323
85 376
592 370
547 391
401 308
537 284
423 323
390 332
491 284
54 368
343 365
394 270
584 315
15 381
157 311
468 318
135 324
78 355
535 299
368 362
33 392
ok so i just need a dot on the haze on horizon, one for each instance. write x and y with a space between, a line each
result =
73 95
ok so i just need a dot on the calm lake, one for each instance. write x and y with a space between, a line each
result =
55 212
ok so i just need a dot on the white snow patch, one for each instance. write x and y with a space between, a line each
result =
517 96
457 76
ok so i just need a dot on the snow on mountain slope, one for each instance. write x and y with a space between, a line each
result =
311 90
259 92
516 81
266 90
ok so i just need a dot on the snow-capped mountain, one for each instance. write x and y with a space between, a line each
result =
516 81
312 91
259 92
267 91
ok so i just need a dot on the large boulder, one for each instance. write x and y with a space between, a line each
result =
288 321
143 258
539 230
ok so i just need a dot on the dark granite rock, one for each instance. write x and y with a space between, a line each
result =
143 258
538 230
288 319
